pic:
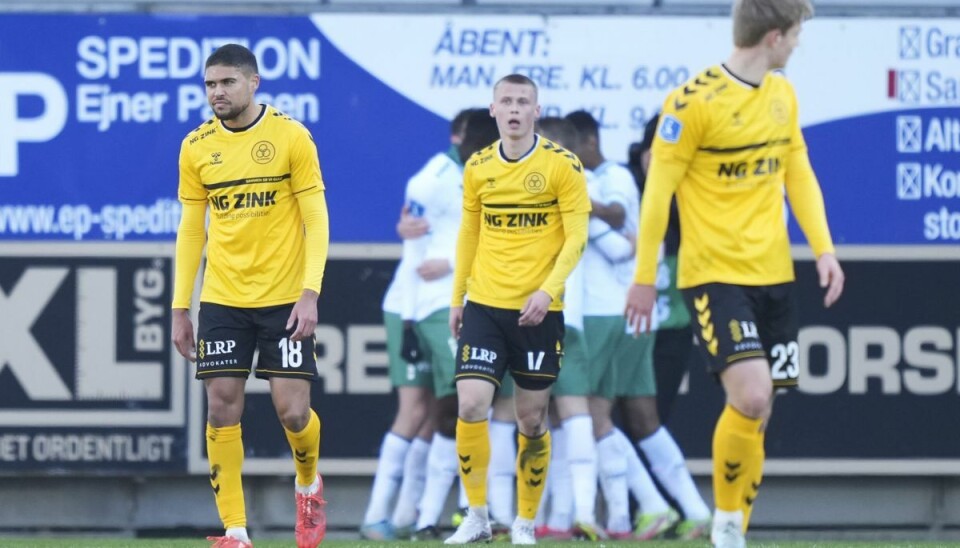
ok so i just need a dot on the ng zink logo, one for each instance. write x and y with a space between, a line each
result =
757 168
244 200
517 220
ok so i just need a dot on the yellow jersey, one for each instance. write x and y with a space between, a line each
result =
255 182
730 151
523 227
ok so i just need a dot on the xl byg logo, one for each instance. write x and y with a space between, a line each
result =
19 127
88 335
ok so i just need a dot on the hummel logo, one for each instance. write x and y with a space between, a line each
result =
464 458
749 501
732 465
301 456
466 470
536 471
756 486
214 473
678 104
731 477
534 483
216 489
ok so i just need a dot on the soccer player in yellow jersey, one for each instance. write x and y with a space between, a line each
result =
524 226
729 144
267 240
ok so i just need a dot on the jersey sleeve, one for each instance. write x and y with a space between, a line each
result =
190 189
679 134
574 203
682 123
467 239
572 193
803 191
191 233
191 236
305 176
313 209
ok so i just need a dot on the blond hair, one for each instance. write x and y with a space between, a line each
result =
753 19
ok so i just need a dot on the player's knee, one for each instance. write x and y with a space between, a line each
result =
445 416
472 407
293 419
222 413
531 422
641 427
409 419
753 401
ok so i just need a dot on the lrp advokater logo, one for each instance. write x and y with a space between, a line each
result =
85 340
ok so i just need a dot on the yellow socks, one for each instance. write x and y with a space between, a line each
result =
305 445
225 453
533 457
737 459
473 452
756 476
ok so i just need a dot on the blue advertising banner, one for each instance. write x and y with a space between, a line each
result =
93 108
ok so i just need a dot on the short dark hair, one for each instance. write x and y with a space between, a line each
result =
585 123
234 55
649 131
459 123
518 79
559 130
480 132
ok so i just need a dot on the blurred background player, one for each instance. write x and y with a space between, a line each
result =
615 358
572 482
640 410
525 211
403 452
735 269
